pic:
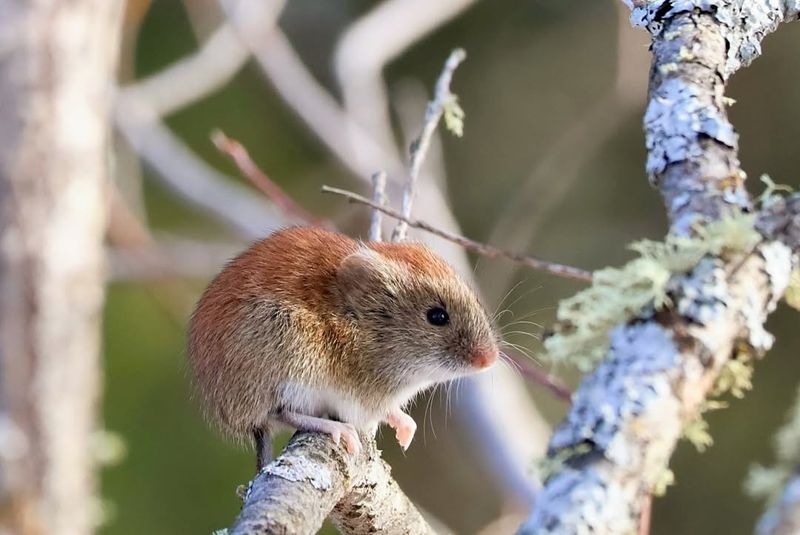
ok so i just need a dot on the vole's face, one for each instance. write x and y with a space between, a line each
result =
428 323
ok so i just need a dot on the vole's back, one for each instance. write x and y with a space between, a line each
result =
271 314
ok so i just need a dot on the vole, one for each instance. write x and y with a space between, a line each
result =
324 333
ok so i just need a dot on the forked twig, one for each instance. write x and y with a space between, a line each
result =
442 98
554 268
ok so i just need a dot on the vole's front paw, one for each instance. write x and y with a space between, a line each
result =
404 427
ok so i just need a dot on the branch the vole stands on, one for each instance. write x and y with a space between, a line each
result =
614 446
313 478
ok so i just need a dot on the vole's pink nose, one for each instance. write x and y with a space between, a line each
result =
483 358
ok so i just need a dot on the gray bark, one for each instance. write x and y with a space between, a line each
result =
313 478
630 411
57 65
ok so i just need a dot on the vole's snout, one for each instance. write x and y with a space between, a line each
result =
483 358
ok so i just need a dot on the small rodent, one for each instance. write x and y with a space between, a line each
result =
324 333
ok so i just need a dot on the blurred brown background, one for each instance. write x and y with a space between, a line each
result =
551 163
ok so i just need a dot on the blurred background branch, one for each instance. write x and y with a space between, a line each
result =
57 64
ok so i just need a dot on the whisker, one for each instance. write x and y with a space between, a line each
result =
521 322
522 296
508 293
522 350
523 333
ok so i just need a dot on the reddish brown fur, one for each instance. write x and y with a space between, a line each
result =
277 315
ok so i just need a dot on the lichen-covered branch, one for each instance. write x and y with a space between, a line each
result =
313 478
613 448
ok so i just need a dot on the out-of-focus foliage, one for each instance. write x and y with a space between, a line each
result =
535 69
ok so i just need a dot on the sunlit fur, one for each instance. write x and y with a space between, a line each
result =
313 322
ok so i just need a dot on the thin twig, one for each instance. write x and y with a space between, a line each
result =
190 177
248 168
559 270
539 377
378 197
646 515
442 97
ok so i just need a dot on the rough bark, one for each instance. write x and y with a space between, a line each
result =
313 478
57 64
629 413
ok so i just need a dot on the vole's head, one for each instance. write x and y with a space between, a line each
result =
418 316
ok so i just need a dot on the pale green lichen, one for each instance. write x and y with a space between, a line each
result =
667 68
697 433
665 480
685 54
617 295
735 376
792 294
454 115
767 482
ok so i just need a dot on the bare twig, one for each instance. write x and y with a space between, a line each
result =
539 196
442 98
537 376
248 168
190 177
646 515
559 270
379 198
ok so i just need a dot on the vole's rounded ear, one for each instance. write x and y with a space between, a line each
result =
363 274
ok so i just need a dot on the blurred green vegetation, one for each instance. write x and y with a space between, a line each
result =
534 68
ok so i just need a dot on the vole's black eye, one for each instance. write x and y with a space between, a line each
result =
438 316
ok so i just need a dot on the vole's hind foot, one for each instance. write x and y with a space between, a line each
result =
404 427
339 431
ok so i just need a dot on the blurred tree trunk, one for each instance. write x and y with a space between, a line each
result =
57 66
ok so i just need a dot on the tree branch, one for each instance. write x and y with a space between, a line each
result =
312 477
629 413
